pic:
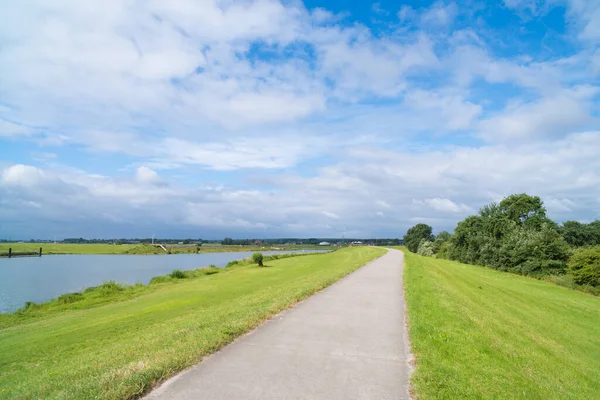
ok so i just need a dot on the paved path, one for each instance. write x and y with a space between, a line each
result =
346 342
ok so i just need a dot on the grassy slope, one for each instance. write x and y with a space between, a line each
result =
120 350
101 248
484 334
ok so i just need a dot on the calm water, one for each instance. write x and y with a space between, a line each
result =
43 278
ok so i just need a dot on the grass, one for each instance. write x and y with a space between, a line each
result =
478 333
120 349
102 248
67 248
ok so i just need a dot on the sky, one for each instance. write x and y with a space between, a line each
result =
268 118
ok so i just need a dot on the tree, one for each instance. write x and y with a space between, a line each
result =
227 241
440 239
578 234
514 235
414 235
523 209
257 258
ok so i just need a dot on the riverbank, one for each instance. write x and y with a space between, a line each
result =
121 349
104 248
482 333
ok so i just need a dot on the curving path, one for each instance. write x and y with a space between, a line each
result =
346 342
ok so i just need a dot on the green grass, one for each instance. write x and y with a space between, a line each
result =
121 349
101 248
482 334
67 248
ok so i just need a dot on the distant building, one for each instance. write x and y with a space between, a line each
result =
324 244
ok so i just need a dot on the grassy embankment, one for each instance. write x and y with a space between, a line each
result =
101 248
120 349
478 333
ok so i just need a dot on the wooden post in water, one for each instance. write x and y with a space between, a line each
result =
40 251
9 252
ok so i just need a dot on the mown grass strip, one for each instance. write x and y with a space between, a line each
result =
120 350
482 334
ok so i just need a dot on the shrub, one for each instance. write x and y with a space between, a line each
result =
443 250
160 279
585 267
425 248
69 298
106 289
177 274
257 258
232 263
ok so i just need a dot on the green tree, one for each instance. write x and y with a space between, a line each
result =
524 210
414 235
514 235
578 234
440 239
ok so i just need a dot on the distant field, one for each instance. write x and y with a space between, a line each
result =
67 248
119 350
482 334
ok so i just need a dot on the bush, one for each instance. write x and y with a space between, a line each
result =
106 289
443 251
69 298
425 248
585 267
257 258
232 263
177 274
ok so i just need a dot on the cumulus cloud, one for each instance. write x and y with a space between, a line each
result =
439 187
22 175
444 205
439 14
549 117
144 174
267 117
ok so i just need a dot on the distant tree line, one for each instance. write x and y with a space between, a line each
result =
311 241
226 241
516 235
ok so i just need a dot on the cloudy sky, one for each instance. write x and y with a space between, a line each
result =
268 118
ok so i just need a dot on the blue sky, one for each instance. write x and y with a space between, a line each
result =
268 118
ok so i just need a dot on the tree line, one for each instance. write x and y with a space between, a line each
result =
516 235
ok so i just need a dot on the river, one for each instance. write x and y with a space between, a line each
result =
41 279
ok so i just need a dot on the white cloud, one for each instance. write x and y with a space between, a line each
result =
559 205
406 13
241 94
147 175
330 214
440 187
549 117
453 111
23 175
439 14
8 129
444 205
382 204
